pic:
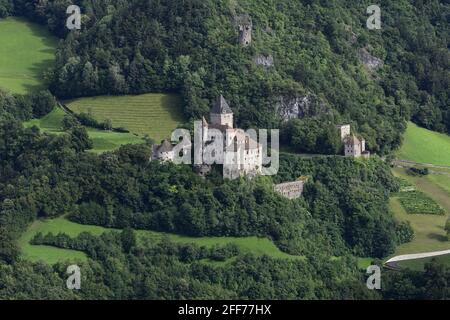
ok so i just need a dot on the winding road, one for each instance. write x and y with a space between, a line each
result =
392 263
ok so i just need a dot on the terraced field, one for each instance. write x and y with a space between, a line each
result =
155 115
103 140
26 51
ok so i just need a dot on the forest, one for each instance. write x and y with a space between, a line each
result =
190 47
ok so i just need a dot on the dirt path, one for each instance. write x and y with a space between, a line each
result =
409 164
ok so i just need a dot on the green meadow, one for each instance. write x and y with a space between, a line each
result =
26 52
103 140
51 255
155 115
48 254
425 146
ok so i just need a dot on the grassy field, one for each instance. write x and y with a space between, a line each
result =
26 51
103 140
442 181
155 115
425 146
429 229
51 255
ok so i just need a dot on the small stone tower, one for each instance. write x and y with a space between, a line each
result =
221 114
344 130
245 30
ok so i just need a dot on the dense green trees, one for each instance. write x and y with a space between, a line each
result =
431 284
165 270
345 196
6 8
33 105
312 135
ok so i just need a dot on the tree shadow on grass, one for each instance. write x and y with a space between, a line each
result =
42 32
37 71
173 104
438 237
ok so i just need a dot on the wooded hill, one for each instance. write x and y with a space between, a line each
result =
321 52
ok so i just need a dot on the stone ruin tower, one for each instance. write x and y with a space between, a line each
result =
245 25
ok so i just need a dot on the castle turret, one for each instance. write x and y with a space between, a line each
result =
221 114
344 130
245 30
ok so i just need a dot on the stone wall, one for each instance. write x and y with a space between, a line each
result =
290 190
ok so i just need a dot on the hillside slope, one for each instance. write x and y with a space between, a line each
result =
425 146
27 50
321 59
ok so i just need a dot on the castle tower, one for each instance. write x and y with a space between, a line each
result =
245 25
245 34
221 114
353 147
344 131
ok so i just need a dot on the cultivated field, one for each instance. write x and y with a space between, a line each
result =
416 202
51 255
425 146
26 51
429 229
103 140
155 115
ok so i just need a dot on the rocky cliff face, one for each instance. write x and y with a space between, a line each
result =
265 61
369 61
295 107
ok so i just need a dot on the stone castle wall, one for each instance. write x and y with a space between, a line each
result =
290 190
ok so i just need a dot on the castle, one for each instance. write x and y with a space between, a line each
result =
239 153
353 146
